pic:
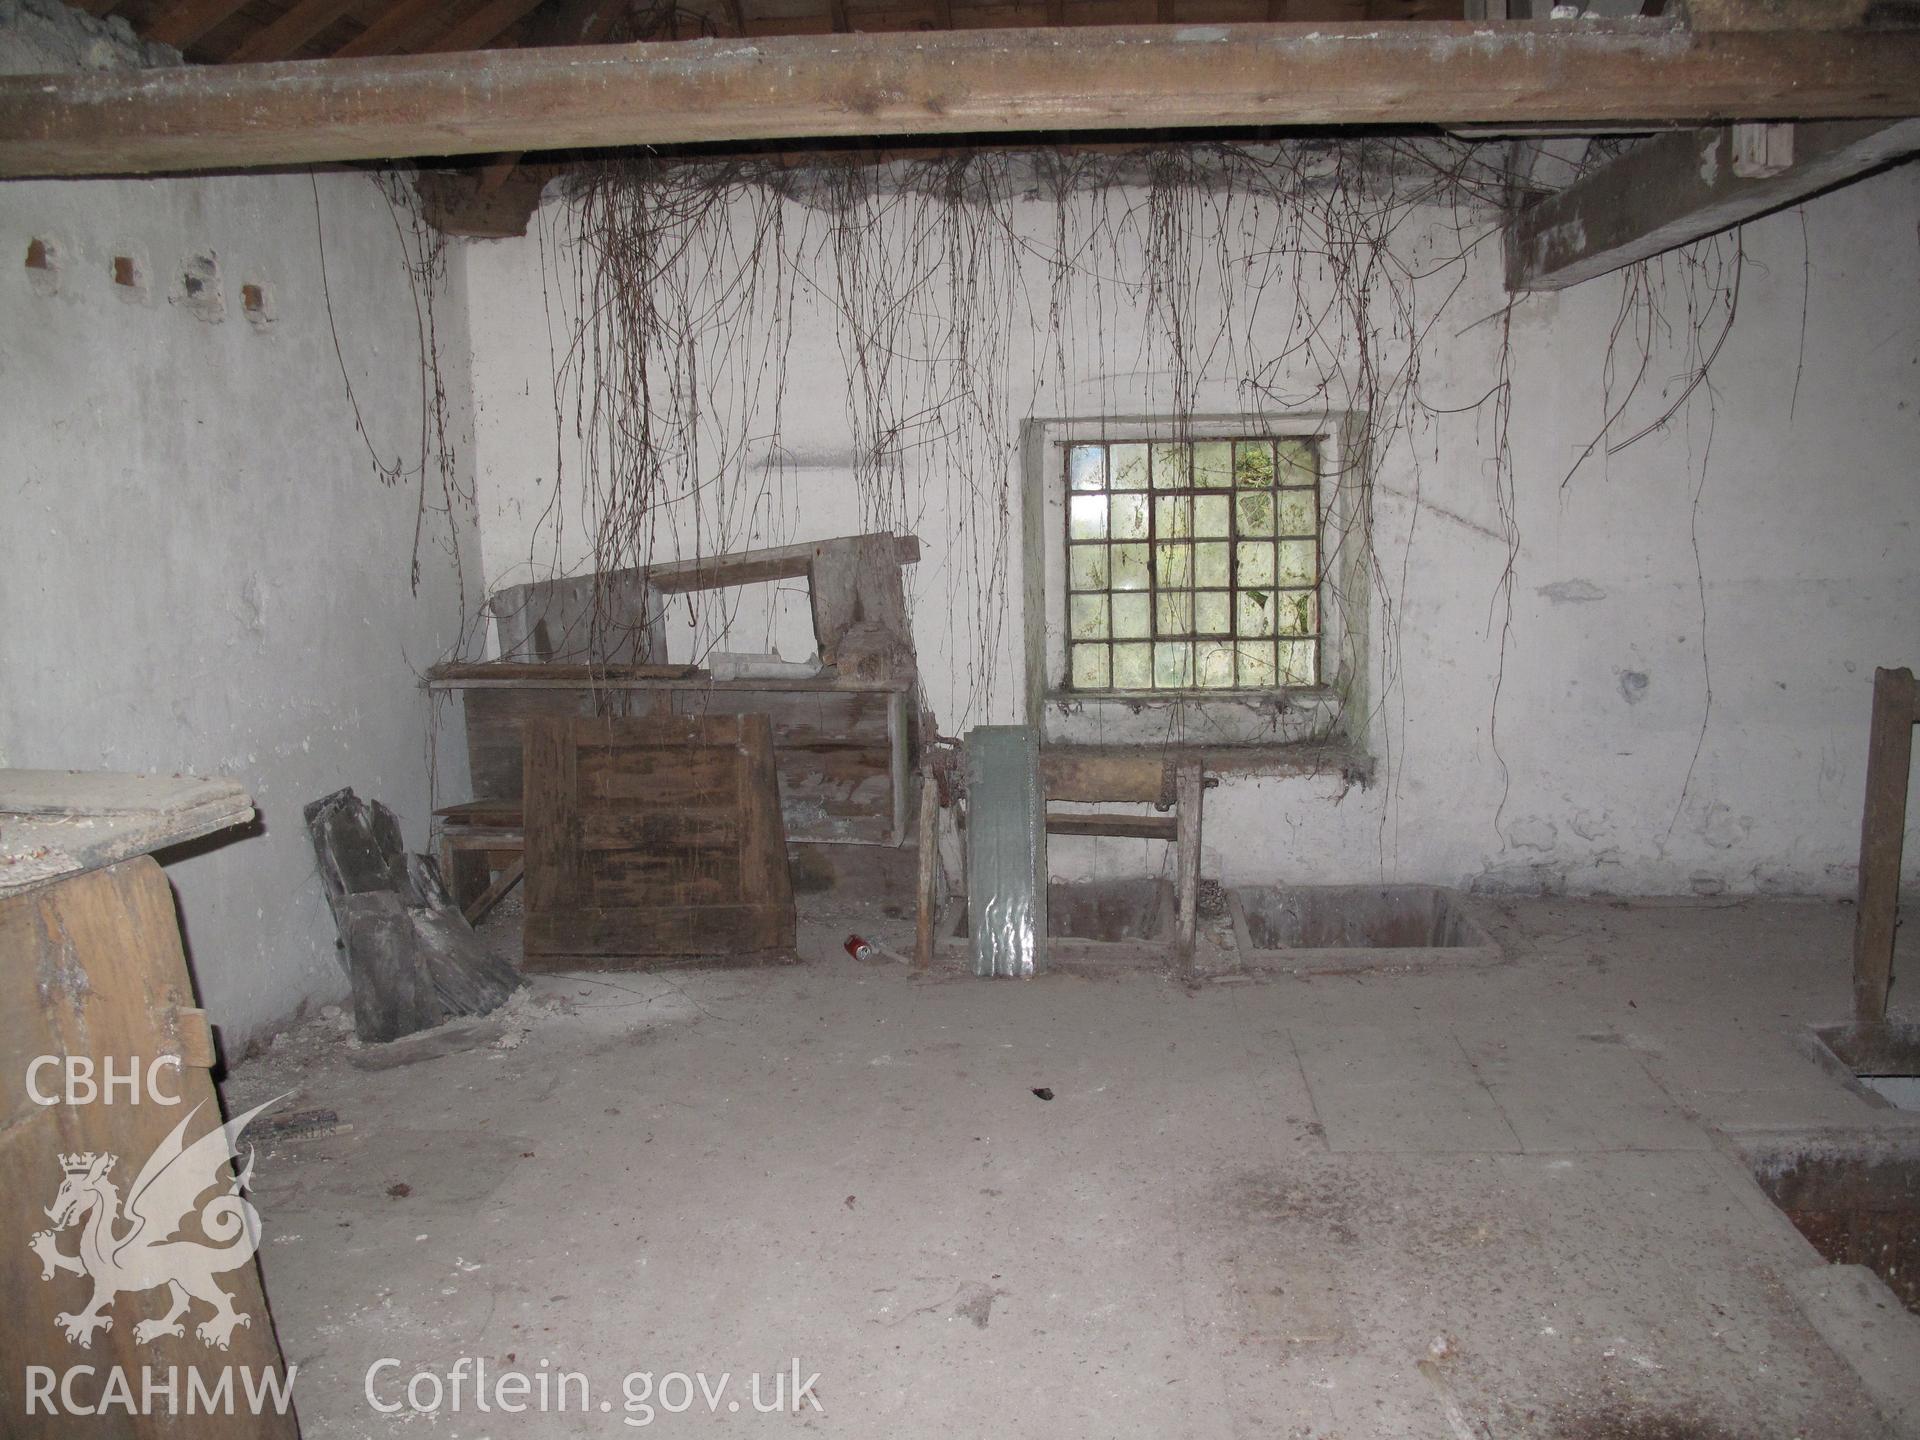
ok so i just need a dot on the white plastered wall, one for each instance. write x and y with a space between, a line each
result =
1552 746
199 569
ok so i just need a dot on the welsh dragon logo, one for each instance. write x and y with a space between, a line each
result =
139 1249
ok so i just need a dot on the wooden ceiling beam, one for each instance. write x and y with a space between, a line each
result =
1673 189
934 83
186 21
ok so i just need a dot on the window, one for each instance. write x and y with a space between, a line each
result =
1194 564
1200 579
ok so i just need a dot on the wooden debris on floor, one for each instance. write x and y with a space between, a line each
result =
653 838
412 957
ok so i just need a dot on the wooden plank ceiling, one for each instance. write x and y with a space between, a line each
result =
236 31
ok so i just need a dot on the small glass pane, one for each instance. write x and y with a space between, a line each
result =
1299 662
1210 613
1173 664
1172 467
1298 465
1210 563
1175 564
1254 562
1256 662
1090 667
1256 513
1295 612
1297 512
1087 517
1256 612
1132 615
1253 464
1213 667
1296 562
1129 467
1210 515
1172 516
1129 517
1173 612
1129 567
1087 466
1213 464
1133 667
1087 566
1088 615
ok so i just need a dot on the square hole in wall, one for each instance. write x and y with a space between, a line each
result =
43 265
129 274
256 303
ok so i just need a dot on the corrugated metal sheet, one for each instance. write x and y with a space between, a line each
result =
1006 850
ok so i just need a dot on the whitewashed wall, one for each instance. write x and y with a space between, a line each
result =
199 570
1793 514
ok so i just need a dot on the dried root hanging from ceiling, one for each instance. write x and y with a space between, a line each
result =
1283 270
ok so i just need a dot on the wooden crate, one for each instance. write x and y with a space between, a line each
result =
841 748
653 837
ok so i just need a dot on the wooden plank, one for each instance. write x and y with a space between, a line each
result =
1125 827
496 892
660 829
187 20
391 30
1094 776
754 567
1676 188
482 26
855 582
55 823
607 617
496 721
552 801
1883 824
762 850
92 966
284 36
536 674
937 82
1189 788
927 889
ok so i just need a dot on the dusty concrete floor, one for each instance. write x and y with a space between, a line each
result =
1248 1209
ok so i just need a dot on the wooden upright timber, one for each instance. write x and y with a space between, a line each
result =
921 83
1883 825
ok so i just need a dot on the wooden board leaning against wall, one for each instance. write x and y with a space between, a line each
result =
92 974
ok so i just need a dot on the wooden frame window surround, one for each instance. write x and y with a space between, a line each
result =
1190 580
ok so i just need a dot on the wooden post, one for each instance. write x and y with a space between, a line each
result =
1188 788
928 891
1882 830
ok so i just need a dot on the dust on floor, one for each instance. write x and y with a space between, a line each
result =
1248 1208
